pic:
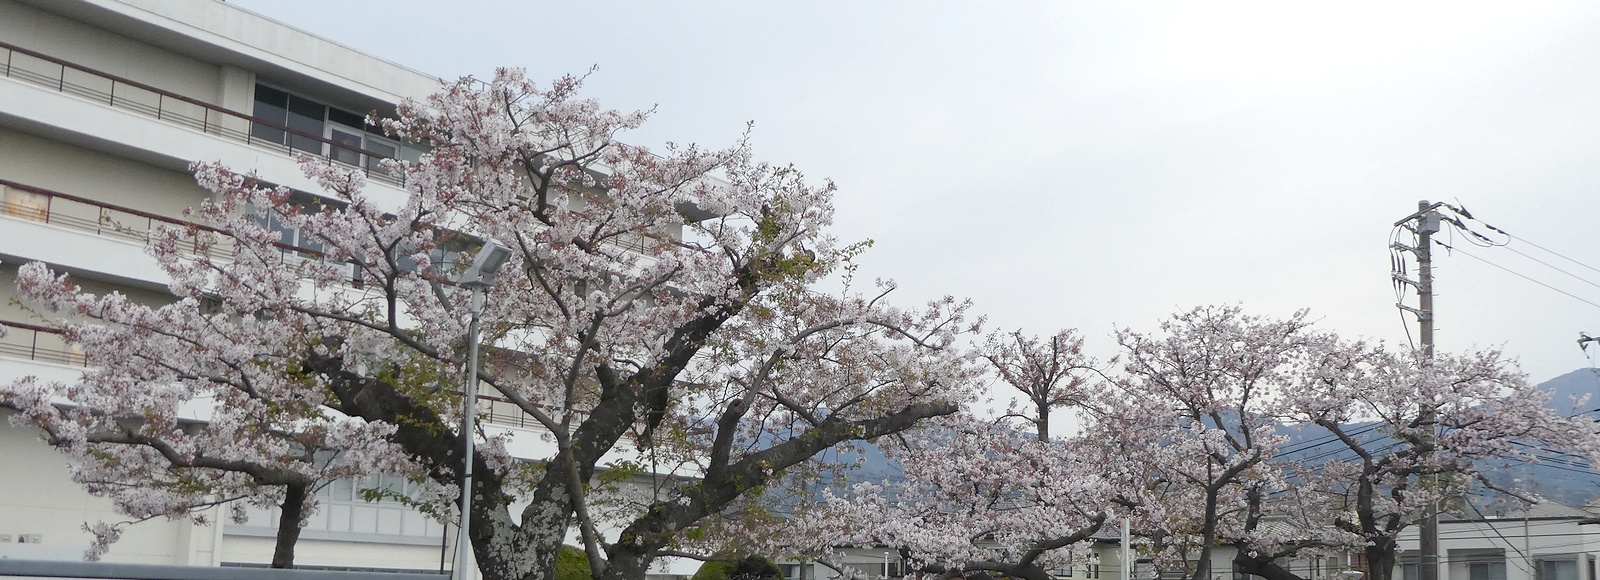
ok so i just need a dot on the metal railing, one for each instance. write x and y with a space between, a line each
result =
39 343
69 211
121 93
501 411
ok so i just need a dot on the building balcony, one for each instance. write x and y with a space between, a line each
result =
129 95
75 104
23 341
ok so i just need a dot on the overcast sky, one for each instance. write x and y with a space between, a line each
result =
1101 165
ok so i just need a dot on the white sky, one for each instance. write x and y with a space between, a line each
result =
1090 165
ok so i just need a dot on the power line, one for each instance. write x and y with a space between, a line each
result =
1553 252
1524 277
1553 267
1496 530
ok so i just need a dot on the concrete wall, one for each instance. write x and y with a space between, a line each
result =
116 180
108 52
40 498
274 43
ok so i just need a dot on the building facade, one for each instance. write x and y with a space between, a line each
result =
104 104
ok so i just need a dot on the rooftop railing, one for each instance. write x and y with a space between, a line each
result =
133 96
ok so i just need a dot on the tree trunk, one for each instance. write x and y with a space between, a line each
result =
293 511
1380 558
1208 537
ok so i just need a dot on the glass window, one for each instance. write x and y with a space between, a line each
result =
272 105
307 117
350 152
1558 570
346 118
380 150
411 152
287 235
313 124
1486 571
338 490
1410 571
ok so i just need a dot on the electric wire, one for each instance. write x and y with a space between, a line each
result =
1552 252
1553 267
1525 277
1497 533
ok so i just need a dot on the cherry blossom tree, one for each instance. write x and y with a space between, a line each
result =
976 495
1051 373
1194 402
1397 419
657 320
132 423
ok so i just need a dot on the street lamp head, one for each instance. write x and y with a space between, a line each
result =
486 265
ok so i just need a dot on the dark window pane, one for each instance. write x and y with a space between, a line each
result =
306 117
271 106
351 152
286 234
411 152
346 118
378 150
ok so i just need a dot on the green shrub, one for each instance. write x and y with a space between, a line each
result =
755 568
713 570
747 568
572 564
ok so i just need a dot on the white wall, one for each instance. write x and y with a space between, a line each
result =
40 498
95 48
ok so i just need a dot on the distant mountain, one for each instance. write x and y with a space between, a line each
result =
1564 479
1561 478
1576 384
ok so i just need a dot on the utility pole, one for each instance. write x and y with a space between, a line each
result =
1127 551
1424 224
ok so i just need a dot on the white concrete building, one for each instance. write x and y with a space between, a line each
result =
1550 541
103 106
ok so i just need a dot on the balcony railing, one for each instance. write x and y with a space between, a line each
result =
39 343
501 411
37 204
129 95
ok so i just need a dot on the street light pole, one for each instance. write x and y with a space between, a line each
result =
477 279
469 416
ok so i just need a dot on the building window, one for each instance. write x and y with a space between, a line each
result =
1558 569
353 140
1091 570
291 236
1065 569
1410 571
1486 571
306 117
797 572
446 253
370 508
